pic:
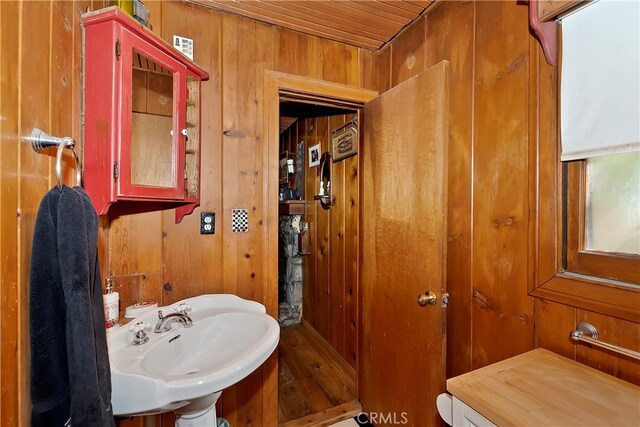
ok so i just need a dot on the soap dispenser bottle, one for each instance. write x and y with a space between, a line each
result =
111 306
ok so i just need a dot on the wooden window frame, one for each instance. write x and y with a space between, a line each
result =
548 276
577 259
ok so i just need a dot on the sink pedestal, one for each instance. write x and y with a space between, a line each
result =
199 413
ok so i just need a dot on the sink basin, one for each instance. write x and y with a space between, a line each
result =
188 366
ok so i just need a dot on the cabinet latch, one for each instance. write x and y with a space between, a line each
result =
116 171
118 49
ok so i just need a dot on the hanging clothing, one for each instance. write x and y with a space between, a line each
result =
70 375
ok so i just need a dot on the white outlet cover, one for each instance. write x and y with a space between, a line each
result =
184 45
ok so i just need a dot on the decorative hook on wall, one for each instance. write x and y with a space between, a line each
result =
325 193
547 33
41 140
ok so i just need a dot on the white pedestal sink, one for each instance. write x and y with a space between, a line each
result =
186 368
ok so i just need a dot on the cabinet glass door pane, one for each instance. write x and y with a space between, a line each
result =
152 143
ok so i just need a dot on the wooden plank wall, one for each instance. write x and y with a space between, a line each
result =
330 271
499 83
494 66
147 254
40 87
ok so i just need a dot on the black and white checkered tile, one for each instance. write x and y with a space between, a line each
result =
239 220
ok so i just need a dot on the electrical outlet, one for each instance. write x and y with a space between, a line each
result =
207 223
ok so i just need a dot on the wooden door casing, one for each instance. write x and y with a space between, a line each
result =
404 211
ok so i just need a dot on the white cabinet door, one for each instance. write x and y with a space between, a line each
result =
464 416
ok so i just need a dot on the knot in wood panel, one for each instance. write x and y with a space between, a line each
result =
480 299
410 62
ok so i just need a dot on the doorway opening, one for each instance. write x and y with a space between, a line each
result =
280 88
402 203
317 260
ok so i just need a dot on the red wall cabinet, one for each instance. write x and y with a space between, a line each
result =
141 116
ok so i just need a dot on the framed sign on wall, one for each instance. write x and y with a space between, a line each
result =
344 141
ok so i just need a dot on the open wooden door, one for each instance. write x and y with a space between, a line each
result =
404 211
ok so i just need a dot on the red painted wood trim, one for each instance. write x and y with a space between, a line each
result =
114 13
131 42
101 129
181 211
547 33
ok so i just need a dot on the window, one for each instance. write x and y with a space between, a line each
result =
613 198
602 203
599 117
586 225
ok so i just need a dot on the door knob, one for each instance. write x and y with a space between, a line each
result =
429 297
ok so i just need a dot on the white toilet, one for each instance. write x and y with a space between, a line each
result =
444 403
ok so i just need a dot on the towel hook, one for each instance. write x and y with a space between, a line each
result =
41 140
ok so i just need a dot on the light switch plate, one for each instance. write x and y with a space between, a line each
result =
184 45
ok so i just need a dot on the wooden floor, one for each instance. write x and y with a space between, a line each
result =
316 386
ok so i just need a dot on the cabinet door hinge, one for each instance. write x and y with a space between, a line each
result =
118 49
116 171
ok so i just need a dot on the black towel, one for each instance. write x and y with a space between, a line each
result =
70 376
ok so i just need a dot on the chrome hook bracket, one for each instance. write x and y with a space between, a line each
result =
584 330
588 333
41 140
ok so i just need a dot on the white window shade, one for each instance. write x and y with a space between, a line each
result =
600 88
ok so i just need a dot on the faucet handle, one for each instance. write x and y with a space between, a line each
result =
160 316
183 308
140 326
139 335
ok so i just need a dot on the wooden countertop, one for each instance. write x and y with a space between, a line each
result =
541 388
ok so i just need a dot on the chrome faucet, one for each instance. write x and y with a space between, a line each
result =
165 322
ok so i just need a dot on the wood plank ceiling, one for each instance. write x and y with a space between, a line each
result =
367 24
